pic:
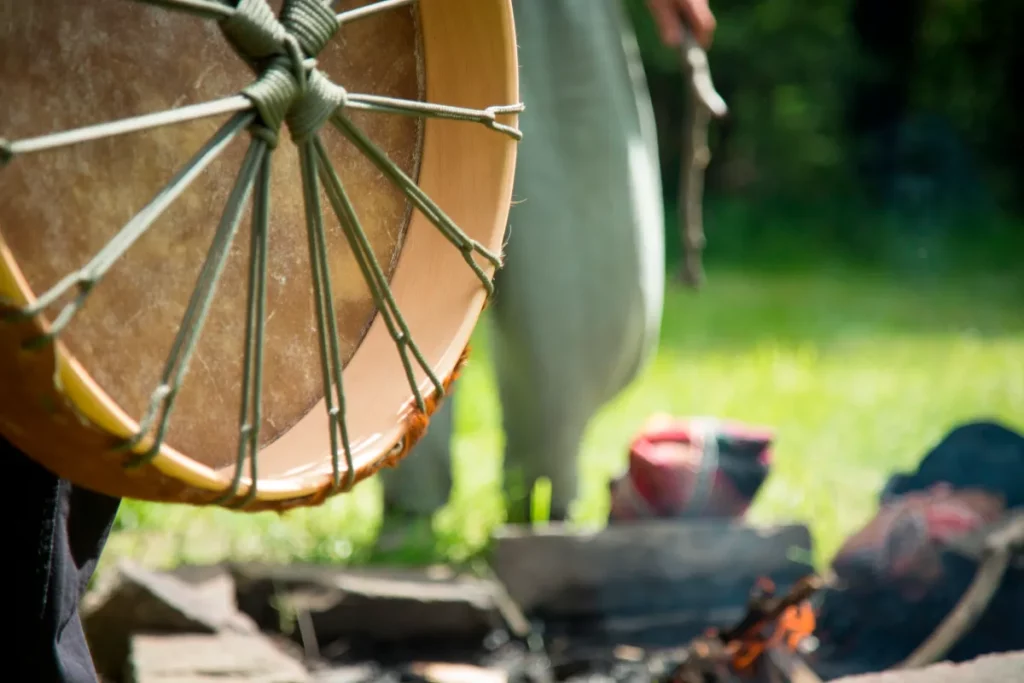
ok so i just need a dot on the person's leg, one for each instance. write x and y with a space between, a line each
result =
57 533
543 426
578 303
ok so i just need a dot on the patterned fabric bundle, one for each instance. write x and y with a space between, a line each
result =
692 467
898 578
905 539
967 481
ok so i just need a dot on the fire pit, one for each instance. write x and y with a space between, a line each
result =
553 605
656 601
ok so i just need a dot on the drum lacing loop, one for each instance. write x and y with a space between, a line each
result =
312 22
254 31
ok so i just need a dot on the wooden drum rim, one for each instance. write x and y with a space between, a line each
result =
468 170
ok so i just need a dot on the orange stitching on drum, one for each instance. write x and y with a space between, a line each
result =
321 496
417 422
457 370
415 427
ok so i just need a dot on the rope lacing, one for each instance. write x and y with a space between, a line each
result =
282 52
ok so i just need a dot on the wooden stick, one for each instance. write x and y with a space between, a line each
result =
789 667
705 102
999 546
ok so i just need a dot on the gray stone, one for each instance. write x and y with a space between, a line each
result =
134 600
353 673
440 672
385 605
213 586
1001 668
221 658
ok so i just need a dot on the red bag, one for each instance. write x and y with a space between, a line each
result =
692 467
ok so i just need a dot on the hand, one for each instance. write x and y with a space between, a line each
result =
672 16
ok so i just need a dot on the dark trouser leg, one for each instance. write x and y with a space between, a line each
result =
58 532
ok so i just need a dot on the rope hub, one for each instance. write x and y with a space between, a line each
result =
282 52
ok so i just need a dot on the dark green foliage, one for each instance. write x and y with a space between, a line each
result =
781 66
792 70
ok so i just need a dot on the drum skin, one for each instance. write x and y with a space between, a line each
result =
67 64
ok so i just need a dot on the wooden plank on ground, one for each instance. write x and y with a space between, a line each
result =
644 568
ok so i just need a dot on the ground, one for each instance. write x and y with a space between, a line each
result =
860 369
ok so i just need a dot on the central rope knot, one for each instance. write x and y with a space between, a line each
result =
314 106
281 51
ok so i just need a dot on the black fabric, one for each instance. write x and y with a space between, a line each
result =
57 533
874 627
981 454
742 459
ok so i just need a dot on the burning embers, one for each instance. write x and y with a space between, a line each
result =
764 646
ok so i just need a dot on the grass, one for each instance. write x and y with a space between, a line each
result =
859 370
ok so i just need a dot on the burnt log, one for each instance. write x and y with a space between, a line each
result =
654 583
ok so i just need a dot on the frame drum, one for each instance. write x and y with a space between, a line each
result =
244 244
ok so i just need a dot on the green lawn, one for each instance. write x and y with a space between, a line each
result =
859 373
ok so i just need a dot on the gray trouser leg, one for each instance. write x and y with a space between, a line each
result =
421 483
578 304
543 427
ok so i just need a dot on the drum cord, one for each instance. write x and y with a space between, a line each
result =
289 88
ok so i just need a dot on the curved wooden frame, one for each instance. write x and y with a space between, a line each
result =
53 410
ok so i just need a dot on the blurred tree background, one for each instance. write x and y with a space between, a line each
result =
879 129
